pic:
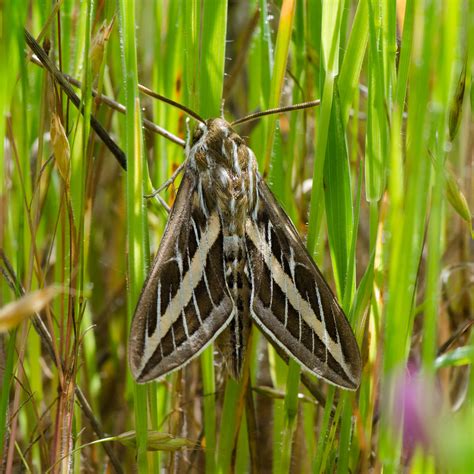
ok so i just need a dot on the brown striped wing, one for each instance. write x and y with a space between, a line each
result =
291 301
184 303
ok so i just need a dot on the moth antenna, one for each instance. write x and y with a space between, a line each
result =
277 110
182 107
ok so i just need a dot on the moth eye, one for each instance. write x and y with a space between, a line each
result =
197 134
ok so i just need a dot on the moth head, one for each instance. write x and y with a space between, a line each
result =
214 131
220 127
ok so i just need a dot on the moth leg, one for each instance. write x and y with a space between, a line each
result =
163 203
168 182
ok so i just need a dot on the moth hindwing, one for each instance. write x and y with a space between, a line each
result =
229 256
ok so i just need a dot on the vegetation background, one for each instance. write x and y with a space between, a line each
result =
382 171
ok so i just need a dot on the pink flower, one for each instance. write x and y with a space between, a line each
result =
417 408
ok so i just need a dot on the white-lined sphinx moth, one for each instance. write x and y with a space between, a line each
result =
229 256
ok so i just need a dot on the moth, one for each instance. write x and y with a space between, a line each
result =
230 257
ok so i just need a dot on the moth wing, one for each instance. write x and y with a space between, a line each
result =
291 301
184 304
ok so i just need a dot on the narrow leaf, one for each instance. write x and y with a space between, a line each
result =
61 149
15 312
156 441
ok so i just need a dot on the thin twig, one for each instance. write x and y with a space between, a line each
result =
74 98
113 104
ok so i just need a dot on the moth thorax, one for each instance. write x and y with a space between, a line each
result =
227 170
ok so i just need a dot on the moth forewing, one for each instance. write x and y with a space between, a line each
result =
183 305
230 255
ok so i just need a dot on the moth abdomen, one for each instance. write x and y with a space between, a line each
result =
233 341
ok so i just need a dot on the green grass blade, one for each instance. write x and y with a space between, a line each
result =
338 197
353 58
376 148
228 426
282 457
278 75
136 217
329 64
212 57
